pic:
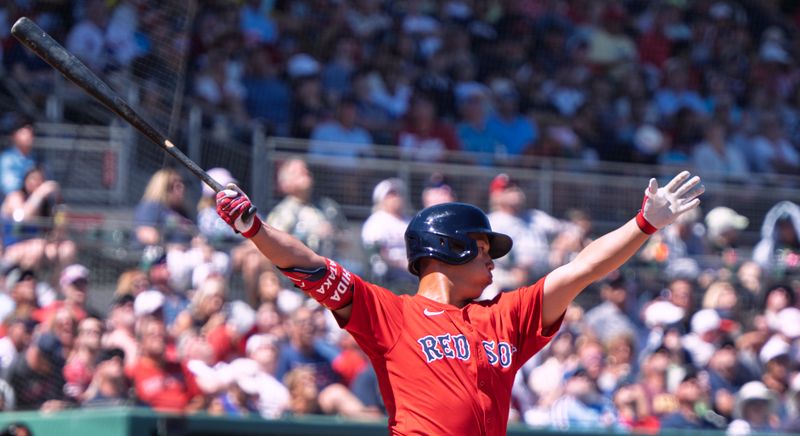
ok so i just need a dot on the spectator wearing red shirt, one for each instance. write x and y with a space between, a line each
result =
74 284
159 383
424 137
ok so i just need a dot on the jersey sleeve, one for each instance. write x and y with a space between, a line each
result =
376 317
526 313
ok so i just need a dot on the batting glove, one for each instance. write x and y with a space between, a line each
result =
231 204
662 206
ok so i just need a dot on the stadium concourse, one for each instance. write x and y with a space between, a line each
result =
700 331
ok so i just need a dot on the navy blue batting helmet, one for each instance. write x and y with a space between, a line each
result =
442 232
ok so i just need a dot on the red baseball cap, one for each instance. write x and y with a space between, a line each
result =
501 182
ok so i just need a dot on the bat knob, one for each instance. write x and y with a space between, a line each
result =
249 213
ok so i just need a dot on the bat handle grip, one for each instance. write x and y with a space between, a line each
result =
249 213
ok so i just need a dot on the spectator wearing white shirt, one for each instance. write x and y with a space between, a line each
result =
383 235
716 158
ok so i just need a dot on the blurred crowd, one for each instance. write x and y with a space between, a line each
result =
711 83
699 331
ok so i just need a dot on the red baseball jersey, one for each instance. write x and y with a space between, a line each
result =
444 370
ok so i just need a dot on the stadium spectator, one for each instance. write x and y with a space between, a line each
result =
169 300
209 224
109 386
305 348
120 331
161 216
274 398
437 191
158 382
16 340
474 132
778 251
692 398
423 137
342 138
267 95
755 410
74 286
716 158
205 317
383 235
17 160
80 365
516 132
313 221
724 230
87 39
37 377
771 151
610 319
30 237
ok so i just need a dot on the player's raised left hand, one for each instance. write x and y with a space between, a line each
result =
662 206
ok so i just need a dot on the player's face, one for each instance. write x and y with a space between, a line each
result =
477 273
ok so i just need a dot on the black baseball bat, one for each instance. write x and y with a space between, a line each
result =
36 39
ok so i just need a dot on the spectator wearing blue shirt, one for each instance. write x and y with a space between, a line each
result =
515 131
302 350
256 23
474 131
268 98
342 137
17 160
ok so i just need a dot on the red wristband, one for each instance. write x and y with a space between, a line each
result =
644 226
253 229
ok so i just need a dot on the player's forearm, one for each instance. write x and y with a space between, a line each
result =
593 262
609 252
284 250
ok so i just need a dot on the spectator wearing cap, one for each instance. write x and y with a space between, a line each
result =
37 377
109 386
120 324
160 383
582 406
424 136
74 285
755 411
776 361
81 361
245 380
704 337
724 228
516 132
274 397
21 287
437 191
172 302
383 236
692 398
17 160
18 336
778 251
531 231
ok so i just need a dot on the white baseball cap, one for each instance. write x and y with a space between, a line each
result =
789 322
147 302
662 313
721 219
705 321
774 348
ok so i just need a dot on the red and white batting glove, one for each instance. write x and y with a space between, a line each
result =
662 206
231 204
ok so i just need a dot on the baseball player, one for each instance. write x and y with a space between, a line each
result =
445 363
